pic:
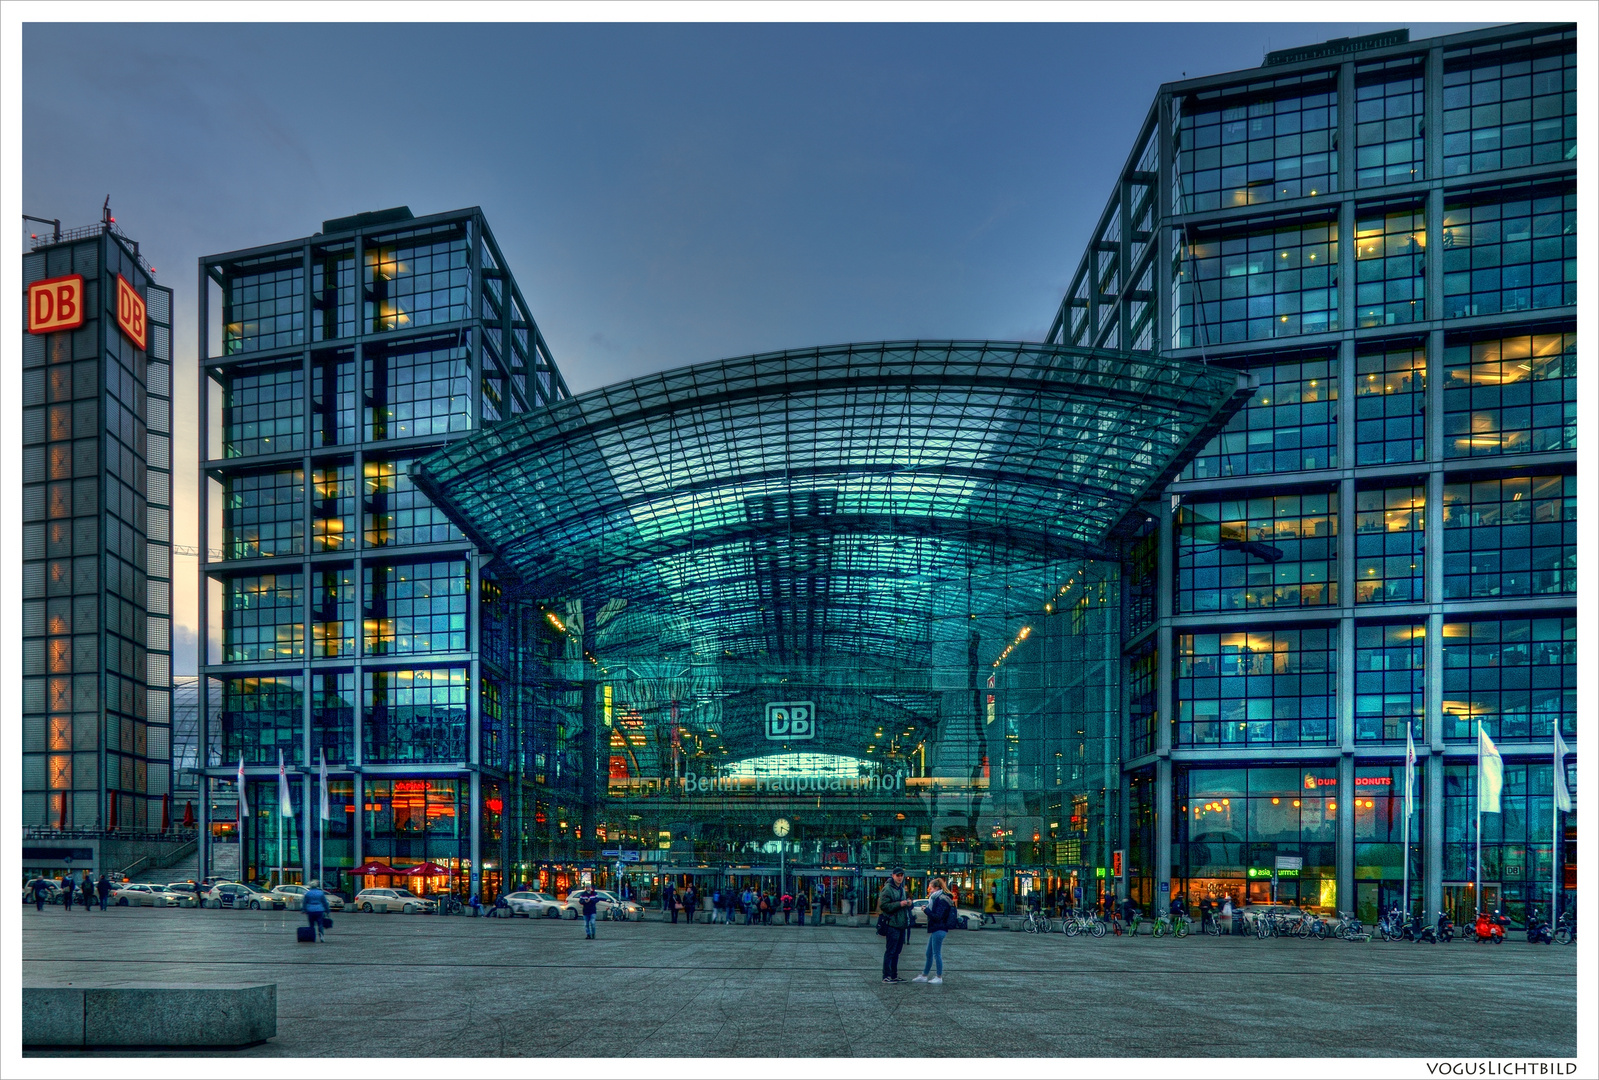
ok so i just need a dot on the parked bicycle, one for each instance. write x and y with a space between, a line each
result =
1083 922
1392 925
1566 931
1166 923
1036 923
449 905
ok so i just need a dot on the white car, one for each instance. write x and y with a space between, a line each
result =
236 894
148 896
294 897
967 918
607 900
401 900
532 905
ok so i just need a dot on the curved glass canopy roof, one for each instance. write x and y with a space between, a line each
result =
829 518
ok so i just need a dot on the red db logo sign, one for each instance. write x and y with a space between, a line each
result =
55 304
130 312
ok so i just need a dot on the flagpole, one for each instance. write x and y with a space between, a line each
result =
1405 851
1477 884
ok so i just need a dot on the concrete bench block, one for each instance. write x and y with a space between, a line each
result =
52 1016
221 1015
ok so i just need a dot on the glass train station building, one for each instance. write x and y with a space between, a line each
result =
1146 608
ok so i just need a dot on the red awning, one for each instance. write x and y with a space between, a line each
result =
372 866
426 869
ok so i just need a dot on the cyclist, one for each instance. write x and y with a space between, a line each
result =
1129 915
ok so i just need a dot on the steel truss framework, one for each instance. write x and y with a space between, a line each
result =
839 520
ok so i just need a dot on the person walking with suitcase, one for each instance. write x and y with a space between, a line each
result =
893 916
315 906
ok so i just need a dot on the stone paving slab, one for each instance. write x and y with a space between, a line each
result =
400 986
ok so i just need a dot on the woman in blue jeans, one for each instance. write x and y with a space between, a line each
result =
940 921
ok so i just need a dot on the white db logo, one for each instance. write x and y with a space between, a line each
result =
790 721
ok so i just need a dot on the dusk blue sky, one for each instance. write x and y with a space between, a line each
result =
664 194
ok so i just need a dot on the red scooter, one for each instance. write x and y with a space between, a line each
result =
1490 927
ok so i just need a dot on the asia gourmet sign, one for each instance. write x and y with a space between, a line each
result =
55 304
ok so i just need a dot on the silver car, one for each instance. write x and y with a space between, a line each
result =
402 900
531 905
148 896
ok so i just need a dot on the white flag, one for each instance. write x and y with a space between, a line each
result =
1410 767
244 809
322 778
1490 773
1562 792
285 803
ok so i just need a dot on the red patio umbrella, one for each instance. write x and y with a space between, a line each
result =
372 866
188 815
425 869
166 812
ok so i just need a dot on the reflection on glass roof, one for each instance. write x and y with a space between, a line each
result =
848 519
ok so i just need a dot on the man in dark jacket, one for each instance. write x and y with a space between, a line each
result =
41 890
690 899
103 888
66 890
895 906
669 899
589 900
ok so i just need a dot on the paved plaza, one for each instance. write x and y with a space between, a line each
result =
402 986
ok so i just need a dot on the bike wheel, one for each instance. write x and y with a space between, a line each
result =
1182 928
1097 928
1071 929
1563 936
1030 926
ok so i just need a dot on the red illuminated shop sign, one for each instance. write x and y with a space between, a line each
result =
130 312
1314 782
1374 781
55 304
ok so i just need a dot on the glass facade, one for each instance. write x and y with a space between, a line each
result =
1390 264
1255 284
1390 531
1289 424
396 346
1264 688
1515 536
1271 552
1449 408
1516 678
1506 253
1514 394
1390 403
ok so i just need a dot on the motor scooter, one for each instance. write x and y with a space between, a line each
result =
1445 929
1418 931
1489 927
1539 932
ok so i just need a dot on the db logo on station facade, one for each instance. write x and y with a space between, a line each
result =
130 312
790 721
55 304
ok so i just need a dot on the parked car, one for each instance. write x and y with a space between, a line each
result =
195 892
968 918
535 905
607 901
294 897
402 900
132 895
236 894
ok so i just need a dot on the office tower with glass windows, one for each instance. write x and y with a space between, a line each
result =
342 614
1383 233
96 536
